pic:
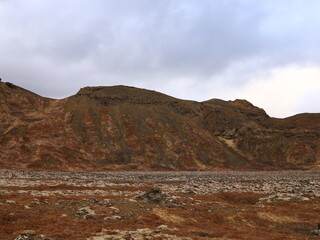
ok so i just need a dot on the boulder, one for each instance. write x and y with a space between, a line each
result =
153 196
26 235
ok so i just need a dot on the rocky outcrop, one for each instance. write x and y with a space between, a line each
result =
126 128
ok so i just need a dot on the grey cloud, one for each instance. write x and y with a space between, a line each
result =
48 44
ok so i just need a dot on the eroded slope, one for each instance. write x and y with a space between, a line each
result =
120 127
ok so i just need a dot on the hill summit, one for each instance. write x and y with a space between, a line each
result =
127 128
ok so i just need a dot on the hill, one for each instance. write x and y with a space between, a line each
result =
127 128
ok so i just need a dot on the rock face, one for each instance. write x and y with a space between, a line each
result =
113 128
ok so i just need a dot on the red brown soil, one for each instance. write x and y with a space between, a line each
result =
227 218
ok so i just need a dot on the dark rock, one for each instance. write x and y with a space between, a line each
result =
82 212
189 192
93 200
105 202
153 196
316 231
26 235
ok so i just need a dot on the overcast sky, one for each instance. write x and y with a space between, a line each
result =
267 52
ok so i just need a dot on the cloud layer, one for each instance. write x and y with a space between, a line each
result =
193 49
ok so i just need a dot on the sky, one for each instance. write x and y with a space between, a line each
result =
267 52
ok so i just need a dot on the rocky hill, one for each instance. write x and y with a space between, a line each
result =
126 128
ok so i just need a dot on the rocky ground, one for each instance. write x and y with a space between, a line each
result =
159 205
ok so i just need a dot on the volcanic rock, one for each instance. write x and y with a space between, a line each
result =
316 231
153 196
26 235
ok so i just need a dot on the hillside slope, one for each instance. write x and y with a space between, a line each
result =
113 128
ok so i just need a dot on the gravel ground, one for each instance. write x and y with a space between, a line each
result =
159 205
295 182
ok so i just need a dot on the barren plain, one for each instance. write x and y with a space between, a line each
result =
159 205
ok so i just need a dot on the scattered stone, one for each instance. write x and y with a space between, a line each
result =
82 212
85 211
114 209
189 192
10 202
93 200
113 218
106 202
43 237
165 228
283 197
30 232
139 234
316 231
36 202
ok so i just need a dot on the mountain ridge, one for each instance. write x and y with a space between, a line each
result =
128 128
